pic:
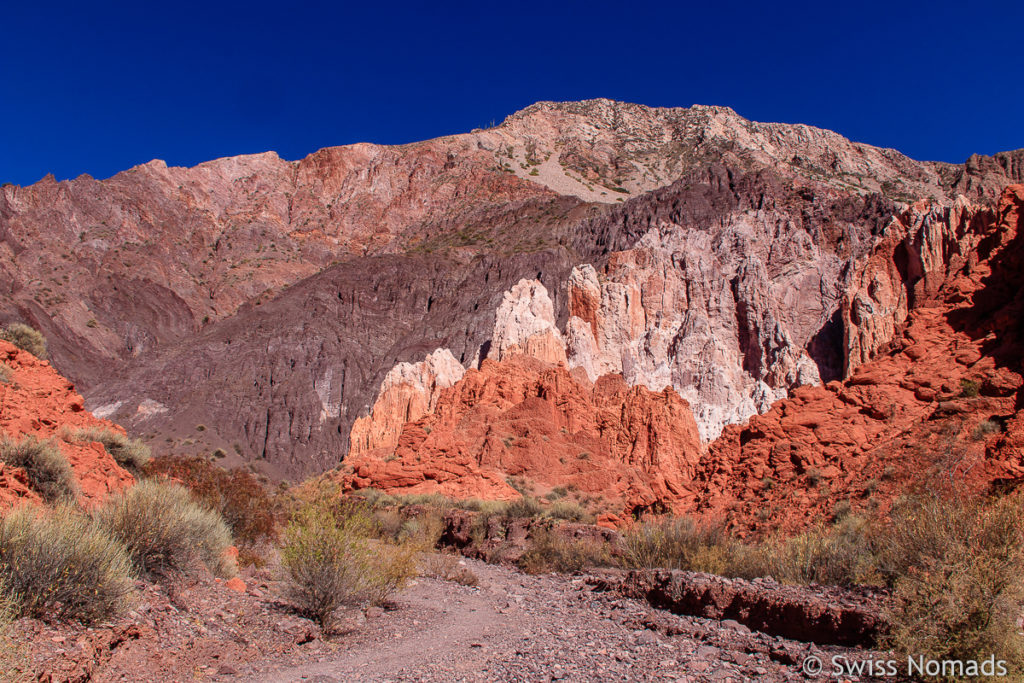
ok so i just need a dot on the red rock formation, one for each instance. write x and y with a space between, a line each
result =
409 391
522 417
37 401
933 404
938 407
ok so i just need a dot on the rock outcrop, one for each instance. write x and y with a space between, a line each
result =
36 401
522 417
937 407
827 616
918 252
525 324
933 405
409 391
731 313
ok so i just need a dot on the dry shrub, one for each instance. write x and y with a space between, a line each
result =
447 568
131 454
166 529
527 506
25 338
332 560
5 374
957 572
424 530
251 512
549 551
841 555
58 564
681 543
13 652
571 511
48 471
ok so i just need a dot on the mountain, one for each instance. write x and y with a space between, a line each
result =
256 305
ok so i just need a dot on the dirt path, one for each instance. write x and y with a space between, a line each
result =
515 627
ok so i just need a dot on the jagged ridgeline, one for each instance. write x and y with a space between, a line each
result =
256 305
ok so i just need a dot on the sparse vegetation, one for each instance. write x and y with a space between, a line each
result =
956 570
571 511
447 568
164 529
48 471
5 374
331 560
252 513
131 454
984 429
550 551
58 564
25 338
969 388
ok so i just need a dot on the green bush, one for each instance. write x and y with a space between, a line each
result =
48 471
58 564
131 454
331 560
166 529
25 338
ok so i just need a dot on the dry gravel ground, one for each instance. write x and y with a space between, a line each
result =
517 627
510 627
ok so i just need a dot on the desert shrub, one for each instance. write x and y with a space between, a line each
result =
331 560
424 530
131 454
956 569
13 651
841 555
549 551
166 529
527 506
252 513
487 507
376 497
969 388
984 429
571 511
5 374
25 338
48 471
58 564
681 543
447 568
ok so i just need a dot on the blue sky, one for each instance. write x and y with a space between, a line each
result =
99 87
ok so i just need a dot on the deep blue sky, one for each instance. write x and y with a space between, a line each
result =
99 87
